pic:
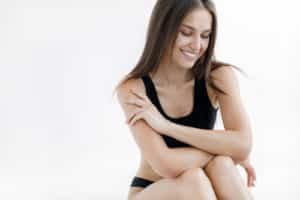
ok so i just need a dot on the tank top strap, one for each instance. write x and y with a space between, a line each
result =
150 90
203 101
197 94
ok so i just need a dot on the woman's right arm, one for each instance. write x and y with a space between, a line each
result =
184 158
165 161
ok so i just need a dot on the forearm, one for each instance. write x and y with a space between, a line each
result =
226 142
181 159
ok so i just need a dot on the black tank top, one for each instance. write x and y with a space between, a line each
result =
202 116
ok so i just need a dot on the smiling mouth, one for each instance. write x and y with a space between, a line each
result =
189 55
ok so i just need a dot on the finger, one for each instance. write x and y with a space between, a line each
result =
254 178
252 181
254 174
249 181
249 172
141 96
250 178
137 94
252 171
130 118
136 102
135 118
136 111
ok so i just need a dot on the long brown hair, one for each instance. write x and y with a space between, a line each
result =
165 20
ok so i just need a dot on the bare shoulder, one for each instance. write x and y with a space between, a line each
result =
225 78
131 84
124 94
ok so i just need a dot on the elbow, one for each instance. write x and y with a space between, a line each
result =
244 148
167 169
168 172
161 164
243 153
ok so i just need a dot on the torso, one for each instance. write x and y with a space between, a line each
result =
184 94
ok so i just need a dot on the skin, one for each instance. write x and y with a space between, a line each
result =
172 78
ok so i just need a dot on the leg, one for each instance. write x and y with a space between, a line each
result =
196 185
162 189
193 184
226 179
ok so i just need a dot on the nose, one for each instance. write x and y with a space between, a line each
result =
196 44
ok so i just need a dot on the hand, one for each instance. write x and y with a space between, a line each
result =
147 111
251 175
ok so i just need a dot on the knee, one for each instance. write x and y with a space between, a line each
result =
196 184
219 163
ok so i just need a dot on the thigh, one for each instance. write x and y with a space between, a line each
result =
197 185
191 184
164 189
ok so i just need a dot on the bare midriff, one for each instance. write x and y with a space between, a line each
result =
145 171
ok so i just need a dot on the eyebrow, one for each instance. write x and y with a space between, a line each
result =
190 27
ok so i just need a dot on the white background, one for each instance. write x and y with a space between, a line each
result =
62 135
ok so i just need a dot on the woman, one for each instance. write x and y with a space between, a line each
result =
170 100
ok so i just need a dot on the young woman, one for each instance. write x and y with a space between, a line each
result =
170 100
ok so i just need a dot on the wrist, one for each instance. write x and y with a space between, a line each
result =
168 127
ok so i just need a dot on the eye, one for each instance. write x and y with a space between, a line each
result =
186 33
206 36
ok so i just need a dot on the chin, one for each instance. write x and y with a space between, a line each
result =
186 65
182 62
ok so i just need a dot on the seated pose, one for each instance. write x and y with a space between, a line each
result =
171 99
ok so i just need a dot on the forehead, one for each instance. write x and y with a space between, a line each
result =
199 18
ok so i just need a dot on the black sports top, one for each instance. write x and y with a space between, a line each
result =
202 116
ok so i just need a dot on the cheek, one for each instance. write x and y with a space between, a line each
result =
181 41
206 43
205 46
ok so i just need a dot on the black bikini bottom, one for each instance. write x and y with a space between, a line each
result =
140 182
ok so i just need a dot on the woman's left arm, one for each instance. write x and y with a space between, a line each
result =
236 140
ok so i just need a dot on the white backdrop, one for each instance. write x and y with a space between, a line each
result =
62 136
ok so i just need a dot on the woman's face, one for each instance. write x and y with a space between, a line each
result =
192 39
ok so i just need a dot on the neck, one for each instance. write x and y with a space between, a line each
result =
172 76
